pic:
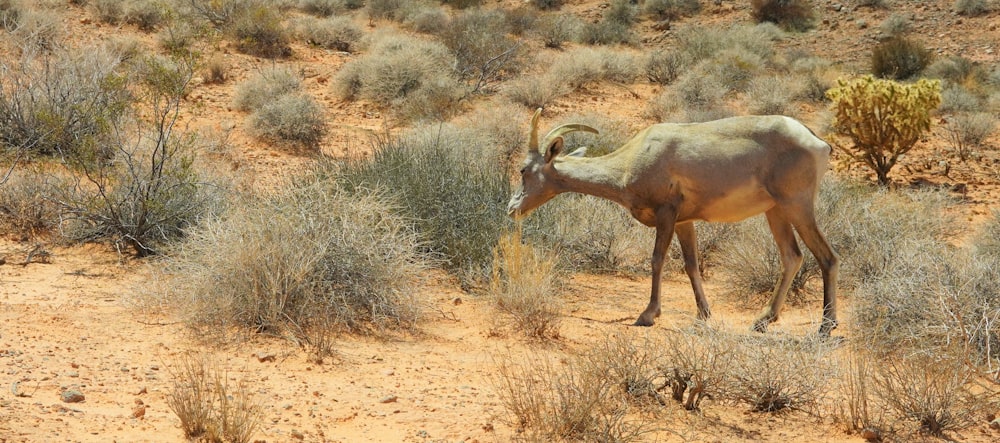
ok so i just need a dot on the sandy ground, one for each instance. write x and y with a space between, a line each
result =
72 323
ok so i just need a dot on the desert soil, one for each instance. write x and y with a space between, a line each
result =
71 320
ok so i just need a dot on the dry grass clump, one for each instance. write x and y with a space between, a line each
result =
428 20
523 287
337 33
899 58
574 401
259 31
265 87
147 15
451 183
25 209
770 95
795 15
771 374
215 70
209 407
896 25
313 256
398 69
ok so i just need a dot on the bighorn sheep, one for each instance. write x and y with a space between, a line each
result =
669 175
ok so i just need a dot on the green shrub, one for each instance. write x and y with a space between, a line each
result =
447 181
479 40
905 117
671 9
899 58
295 118
795 15
337 33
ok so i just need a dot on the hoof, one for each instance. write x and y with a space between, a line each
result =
826 327
643 322
760 325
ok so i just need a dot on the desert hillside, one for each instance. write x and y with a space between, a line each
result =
286 220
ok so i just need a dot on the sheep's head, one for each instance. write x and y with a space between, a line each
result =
538 174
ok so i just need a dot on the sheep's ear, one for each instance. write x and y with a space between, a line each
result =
554 149
579 152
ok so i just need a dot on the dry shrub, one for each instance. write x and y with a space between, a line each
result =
816 75
770 95
215 70
938 391
593 235
209 407
968 130
336 33
311 256
523 287
631 364
899 58
535 91
480 42
896 25
972 8
771 374
556 29
664 67
865 226
575 401
399 69
258 31
671 9
33 28
25 209
295 118
696 364
265 87
859 407
452 184
321 8
615 26
795 15
956 98
429 20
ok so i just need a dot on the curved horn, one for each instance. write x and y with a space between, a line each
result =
565 129
533 140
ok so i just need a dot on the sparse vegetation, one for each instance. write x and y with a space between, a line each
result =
967 131
479 40
972 8
904 111
671 9
357 271
523 287
615 27
771 375
398 70
557 29
209 407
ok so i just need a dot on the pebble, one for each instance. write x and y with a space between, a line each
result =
388 399
72 396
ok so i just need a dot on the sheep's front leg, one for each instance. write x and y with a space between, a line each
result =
664 233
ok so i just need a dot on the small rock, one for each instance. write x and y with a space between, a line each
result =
870 434
72 396
457 301
142 390
139 410
84 21
861 24
995 424
388 399
298 435
264 357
